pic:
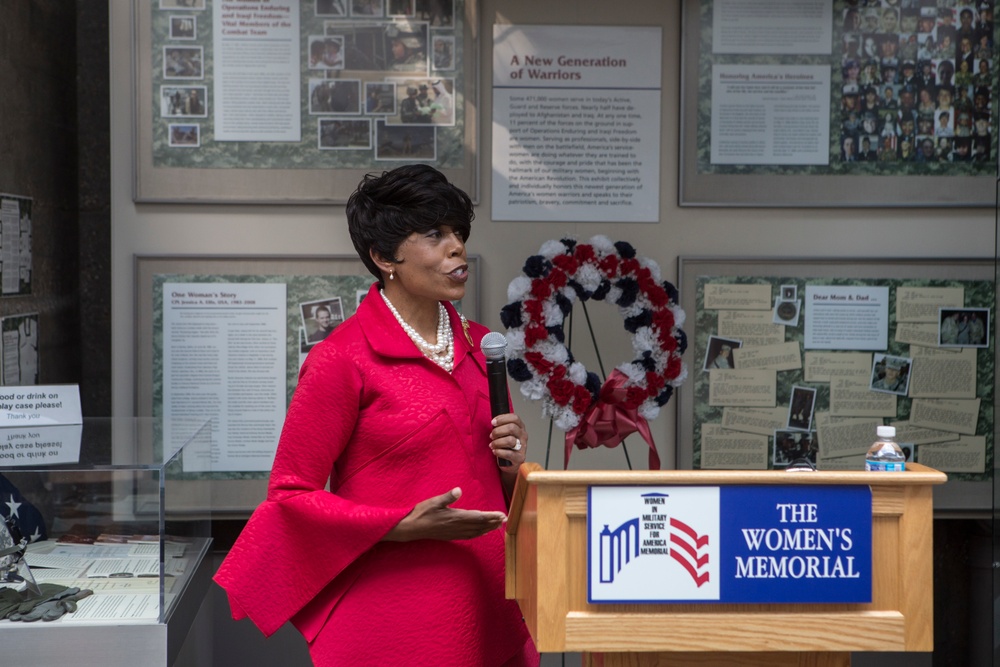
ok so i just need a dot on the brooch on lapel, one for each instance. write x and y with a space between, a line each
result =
465 329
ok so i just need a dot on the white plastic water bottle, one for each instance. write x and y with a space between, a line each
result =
884 454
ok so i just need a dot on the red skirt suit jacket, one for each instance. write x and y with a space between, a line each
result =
389 429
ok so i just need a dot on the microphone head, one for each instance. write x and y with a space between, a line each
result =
494 346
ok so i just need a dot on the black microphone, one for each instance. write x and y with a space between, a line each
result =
494 347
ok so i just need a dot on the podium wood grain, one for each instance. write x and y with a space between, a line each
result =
546 552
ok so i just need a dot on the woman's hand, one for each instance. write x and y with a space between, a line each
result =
433 519
509 440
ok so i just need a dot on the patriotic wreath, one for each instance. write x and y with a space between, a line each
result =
590 412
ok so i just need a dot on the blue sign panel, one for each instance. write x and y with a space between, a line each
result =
796 544
735 544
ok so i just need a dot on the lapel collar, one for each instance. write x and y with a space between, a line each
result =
383 332
388 339
466 344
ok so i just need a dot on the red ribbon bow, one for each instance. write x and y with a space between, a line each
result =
607 422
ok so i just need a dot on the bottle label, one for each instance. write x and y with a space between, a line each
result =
885 466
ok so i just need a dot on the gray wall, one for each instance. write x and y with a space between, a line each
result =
54 142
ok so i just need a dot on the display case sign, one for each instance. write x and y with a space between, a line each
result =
40 445
730 544
40 405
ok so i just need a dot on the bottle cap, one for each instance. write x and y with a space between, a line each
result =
885 431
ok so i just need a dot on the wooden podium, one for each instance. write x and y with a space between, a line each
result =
547 575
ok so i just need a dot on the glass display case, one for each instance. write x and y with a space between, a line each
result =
98 507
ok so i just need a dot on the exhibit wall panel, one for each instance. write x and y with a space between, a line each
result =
224 229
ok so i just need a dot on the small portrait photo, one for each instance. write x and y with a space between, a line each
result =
786 312
402 8
800 408
341 134
183 62
335 96
426 101
890 20
852 46
719 355
183 27
326 52
794 447
870 20
908 22
442 52
367 8
890 374
183 101
184 135
963 327
789 292
320 318
380 98
851 20
331 7
182 4
407 47
404 142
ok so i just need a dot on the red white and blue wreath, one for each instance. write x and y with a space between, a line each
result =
590 412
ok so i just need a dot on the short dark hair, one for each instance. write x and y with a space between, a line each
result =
386 209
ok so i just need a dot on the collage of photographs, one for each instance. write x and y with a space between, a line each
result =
918 80
383 79
183 98
379 75
784 391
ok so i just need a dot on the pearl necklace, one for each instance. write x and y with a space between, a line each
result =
443 353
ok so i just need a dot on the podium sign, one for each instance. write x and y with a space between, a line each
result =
730 544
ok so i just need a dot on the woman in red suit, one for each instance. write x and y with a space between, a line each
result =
401 561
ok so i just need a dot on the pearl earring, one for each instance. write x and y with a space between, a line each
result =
391 275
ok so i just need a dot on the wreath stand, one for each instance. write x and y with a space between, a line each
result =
604 378
594 410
